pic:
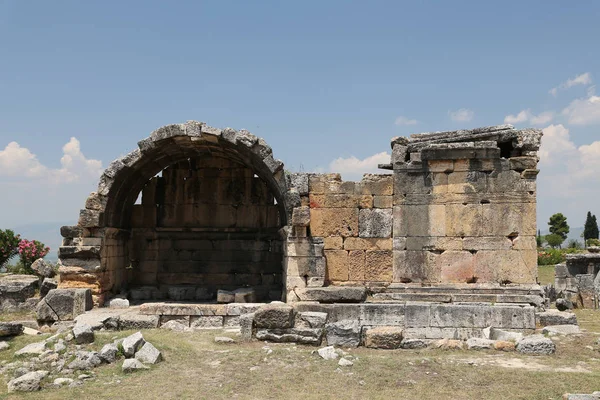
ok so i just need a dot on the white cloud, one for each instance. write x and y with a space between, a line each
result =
585 111
583 79
35 193
528 116
353 168
20 162
401 120
462 115
556 143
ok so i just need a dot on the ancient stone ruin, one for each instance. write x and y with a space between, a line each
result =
442 246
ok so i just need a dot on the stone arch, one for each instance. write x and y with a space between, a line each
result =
93 252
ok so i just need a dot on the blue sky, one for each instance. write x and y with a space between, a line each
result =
320 80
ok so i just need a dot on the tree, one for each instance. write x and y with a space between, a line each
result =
558 225
9 245
554 240
590 230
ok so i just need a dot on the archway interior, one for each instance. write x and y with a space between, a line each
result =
205 223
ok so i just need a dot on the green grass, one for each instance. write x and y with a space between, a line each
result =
197 368
546 274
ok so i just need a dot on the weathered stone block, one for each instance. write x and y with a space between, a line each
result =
274 316
375 223
536 345
337 265
333 243
340 201
333 294
383 337
301 216
372 314
379 265
506 219
344 333
356 265
307 336
310 319
367 244
487 243
89 218
513 266
456 266
375 184
334 222
416 266
383 201
554 317
464 220
298 181
306 266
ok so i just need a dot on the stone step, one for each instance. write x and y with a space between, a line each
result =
535 300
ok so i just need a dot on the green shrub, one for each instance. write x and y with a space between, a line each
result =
551 257
9 245
593 242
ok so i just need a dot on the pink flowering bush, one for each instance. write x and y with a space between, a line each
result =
9 245
29 251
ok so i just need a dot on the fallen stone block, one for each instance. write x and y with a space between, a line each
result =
273 316
564 304
225 296
47 285
480 344
32 349
247 326
345 333
536 345
554 317
554 330
27 383
344 362
292 335
506 336
43 268
132 365
10 329
109 353
85 360
244 295
448 344
83 334
64 304
148 354
383 337
502 345
412 344
131 344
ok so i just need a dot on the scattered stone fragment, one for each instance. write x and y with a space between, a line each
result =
554 330
32 349
4 346
536 345
345 362
84 377
85 360
246 326
63 381
109 353
131 344
29 382
10 329
31 332
132 365
60 346
83 334
479 344
224 339
328 353
118 303
148 354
